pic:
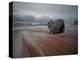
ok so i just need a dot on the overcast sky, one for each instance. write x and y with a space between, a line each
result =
39 10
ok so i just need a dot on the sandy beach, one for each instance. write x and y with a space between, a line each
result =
37 41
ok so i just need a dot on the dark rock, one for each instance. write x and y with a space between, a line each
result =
59 26
56 27
75 22
51 25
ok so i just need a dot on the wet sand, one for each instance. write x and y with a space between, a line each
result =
39 42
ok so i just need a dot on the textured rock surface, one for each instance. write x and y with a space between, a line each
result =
51 25
56 27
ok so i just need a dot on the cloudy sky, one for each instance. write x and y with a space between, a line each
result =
40 10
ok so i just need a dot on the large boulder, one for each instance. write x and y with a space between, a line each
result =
59 26
51 25
56 27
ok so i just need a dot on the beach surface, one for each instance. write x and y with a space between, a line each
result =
37 41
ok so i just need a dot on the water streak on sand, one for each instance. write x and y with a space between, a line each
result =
37 41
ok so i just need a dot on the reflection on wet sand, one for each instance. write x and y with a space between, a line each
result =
38 41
